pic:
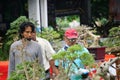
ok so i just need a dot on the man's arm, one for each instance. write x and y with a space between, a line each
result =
11 66
49 52
54 68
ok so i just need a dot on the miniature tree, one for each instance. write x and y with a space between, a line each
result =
27 70
86 33
52 36
70 55
113 41
12 35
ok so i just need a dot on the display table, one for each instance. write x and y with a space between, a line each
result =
99 52
3 70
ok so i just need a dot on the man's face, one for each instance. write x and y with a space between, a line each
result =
27 34
34 36
71 41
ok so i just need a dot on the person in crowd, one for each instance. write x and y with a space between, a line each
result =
25 49
48 51
70 38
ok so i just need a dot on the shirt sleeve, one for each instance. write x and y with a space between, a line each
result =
49 51
11 66
39 53
85 50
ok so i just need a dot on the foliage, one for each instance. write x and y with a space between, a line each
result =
12 33
27 70
61 32
87 36
100 16
1 55
34 71
101 27
71 54
101 21
52 36
63 22
49 33
113 41
114 38
84 58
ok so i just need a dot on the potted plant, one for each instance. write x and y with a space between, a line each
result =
113 41
54 37
112 44
71 54
27 70
11 35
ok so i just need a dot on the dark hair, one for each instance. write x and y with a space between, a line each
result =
23 26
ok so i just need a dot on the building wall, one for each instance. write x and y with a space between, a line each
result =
114 9
9 11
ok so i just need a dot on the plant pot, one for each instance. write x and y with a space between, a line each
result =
3 70
99 52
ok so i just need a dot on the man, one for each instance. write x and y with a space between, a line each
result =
47 54
24 49
70 38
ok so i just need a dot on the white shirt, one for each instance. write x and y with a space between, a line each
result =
47 51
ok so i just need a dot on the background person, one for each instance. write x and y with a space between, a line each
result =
70 38
47 54
24 49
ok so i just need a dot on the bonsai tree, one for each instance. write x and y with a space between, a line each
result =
87 33
71 54
52 36
12 35
113 41
27 70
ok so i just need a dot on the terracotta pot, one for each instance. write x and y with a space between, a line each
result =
98 52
